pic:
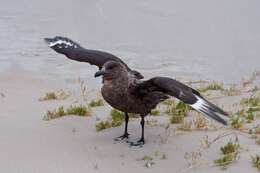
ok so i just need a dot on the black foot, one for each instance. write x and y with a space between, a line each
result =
123 137
139 143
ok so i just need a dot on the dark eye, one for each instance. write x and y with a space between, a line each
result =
112 66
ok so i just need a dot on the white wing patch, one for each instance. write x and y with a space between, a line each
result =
60 42
202 106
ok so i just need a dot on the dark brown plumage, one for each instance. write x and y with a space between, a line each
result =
124 90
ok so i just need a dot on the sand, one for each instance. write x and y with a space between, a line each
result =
71 144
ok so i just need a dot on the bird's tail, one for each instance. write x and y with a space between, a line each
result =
61 43
210 110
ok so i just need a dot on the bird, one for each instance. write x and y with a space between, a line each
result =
126 90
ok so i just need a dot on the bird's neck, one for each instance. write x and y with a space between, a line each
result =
117 83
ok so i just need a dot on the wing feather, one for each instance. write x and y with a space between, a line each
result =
184 93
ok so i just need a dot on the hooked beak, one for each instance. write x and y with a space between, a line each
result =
100 73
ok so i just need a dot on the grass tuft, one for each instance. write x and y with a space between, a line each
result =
155 112
229 153
256 161
102 125
55 95
177 112
116 119
211 86
96 103
236 122
79 110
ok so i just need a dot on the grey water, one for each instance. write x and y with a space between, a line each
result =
188 40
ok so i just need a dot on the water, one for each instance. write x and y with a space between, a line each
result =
215 40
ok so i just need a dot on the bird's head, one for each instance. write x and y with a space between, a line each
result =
112 70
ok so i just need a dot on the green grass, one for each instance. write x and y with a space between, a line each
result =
96 103
79 110
211 86
229 148
155 112
256 161
168 102
232 91
236 122
56 113
147 158
117 117
57 95
253 101
49 96
229 153
163 156
102 125
251 108
177 112
176 119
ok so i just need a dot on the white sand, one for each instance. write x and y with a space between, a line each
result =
70 144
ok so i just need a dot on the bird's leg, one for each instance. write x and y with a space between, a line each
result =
126 134
141 141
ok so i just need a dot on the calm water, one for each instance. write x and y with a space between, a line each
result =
202 39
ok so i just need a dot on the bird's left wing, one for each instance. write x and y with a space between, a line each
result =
76 52
184 93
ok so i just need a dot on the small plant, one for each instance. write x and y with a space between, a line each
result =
250 117
232 91
200 122
155 112
80 110
96 103
229 148
57 95
151 122
49 96
177 112
163 156
168 102
253 101
117 117
229 154
176 119
147 158
55 113
103 125
256 161
236 122
211 86
255 130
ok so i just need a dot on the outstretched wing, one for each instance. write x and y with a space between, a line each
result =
184 93
74 51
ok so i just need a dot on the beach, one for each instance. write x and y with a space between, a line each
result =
186 42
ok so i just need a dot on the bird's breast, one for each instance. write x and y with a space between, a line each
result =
115 96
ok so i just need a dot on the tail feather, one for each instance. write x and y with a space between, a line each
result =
210 110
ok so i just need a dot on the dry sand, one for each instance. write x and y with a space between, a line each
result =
71 144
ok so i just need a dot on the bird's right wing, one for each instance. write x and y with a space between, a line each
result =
74 51
184 93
